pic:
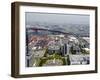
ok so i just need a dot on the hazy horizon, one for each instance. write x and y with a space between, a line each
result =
49 18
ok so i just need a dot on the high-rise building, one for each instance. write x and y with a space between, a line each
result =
63 50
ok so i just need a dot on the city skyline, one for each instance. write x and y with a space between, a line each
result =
53 42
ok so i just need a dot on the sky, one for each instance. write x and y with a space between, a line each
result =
31 18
